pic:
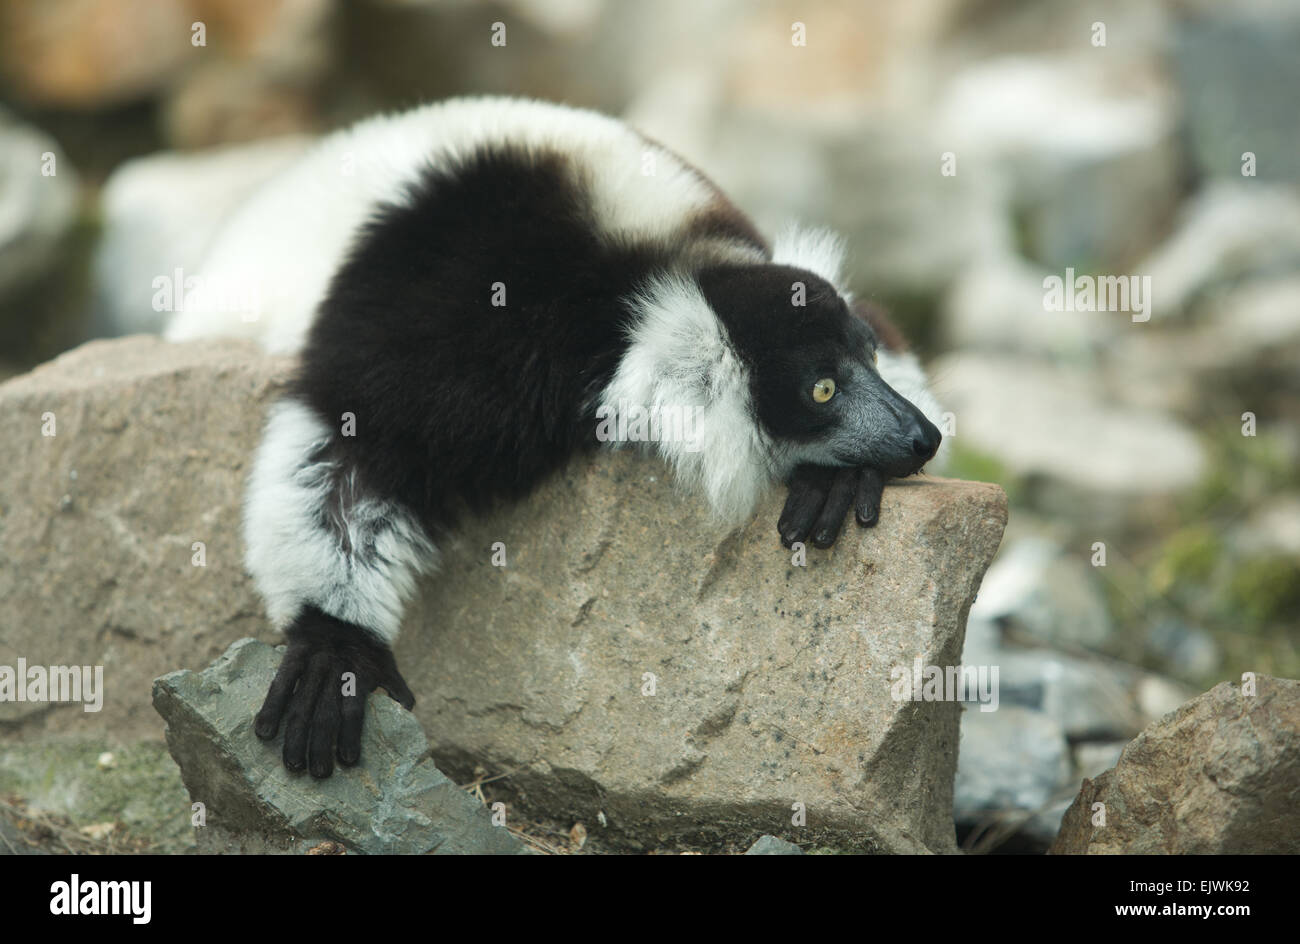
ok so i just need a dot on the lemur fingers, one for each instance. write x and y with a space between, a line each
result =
838 502
820 497
871 484
809 485
320 691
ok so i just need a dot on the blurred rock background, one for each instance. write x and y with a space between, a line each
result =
1153 467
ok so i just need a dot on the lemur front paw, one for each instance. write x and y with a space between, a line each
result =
820 497
323 711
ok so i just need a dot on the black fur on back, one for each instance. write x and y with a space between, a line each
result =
459 402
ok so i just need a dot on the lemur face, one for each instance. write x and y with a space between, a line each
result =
814 380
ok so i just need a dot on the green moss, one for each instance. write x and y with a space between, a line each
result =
1242 470
1266 589
142 788
1188 559
965 462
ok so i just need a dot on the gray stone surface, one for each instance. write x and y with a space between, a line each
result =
1219 776
394 801
773 682
1228 232
36 209
771 845
1036 589
1054 420
1071 184
98 522
148 234
1012 759
1237 72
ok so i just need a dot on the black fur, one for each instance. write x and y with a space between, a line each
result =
308 691
456 401
787 347
459 403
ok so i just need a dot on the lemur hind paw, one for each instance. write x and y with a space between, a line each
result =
323 711
819 498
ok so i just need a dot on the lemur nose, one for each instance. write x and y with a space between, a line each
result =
925 439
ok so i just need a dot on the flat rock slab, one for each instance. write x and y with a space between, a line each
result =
1221 775
394 801
771 675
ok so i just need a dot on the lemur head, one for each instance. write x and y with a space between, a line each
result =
814 381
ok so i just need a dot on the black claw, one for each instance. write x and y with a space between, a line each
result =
871 485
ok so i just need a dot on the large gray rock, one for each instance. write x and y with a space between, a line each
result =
147 234
1236 70
98 522
1218 776
1035 588
772 845
38 203
772 680
1230 231
1015 769
1072 183
394 801
1056 421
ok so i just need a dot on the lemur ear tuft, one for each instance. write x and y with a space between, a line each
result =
819 251
886 331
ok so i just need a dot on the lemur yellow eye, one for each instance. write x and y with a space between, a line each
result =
875 355
823 390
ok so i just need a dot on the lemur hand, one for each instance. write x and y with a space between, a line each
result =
820 497
322 718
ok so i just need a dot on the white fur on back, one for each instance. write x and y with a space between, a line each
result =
680 358
296 559
820 251
284 245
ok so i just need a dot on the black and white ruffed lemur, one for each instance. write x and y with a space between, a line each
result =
629 279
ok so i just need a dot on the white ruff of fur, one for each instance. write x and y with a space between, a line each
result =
819 251
904 373
679 358
296 559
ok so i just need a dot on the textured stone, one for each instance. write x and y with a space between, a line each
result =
394 801
772 845
1219 776
98 522
773 682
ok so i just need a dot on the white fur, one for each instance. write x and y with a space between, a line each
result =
905 374
820 251
296 560
678 358
285 243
